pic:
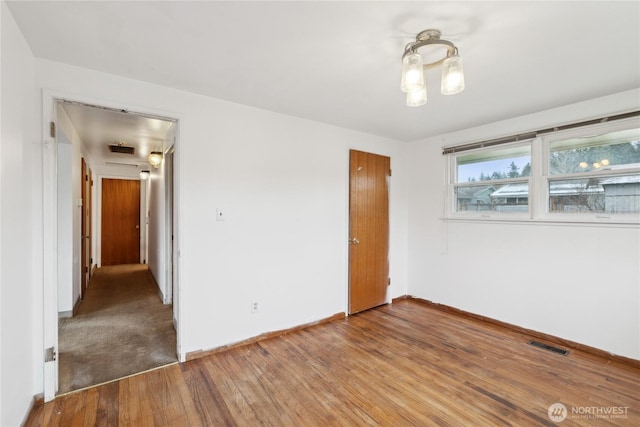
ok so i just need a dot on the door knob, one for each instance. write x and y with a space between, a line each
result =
354 241
137 226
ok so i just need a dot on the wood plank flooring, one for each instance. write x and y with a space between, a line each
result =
404 364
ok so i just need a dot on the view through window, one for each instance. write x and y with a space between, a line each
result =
590 170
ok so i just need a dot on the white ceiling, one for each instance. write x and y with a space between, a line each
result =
339 62
98 128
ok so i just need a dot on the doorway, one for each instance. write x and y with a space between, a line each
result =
368 230
79 116
120 236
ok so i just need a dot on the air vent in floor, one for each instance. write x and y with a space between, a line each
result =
548 347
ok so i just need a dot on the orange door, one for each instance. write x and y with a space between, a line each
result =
83 228
89 222
85 239
368 230
120 221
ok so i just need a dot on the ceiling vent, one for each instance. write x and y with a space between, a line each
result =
120 147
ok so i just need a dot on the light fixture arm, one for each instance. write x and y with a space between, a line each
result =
430 38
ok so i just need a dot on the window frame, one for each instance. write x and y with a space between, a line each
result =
539 179
547 177
452 172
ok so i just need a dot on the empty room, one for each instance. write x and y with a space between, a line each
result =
320 213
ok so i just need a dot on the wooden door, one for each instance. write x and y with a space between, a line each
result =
120 221
85 227
368 230
89 222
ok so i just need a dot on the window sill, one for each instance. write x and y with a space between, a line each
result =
548 220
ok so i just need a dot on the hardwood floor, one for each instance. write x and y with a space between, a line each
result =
404 364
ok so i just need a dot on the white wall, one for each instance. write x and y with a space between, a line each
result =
66 267
71 150
580 283
159 239
157 234
283 183
20 228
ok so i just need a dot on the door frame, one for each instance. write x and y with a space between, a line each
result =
50 100
98 217
365 150
141 206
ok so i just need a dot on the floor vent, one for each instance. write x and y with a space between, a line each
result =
549 347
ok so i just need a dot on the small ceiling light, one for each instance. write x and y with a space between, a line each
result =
604 162
452 75
417 97
413 68
144 175
412 73
155 158
584 165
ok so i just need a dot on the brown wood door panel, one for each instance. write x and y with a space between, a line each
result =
83 228
368 230
89 218
85 239
120 221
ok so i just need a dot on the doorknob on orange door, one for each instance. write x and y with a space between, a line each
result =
354 241
137 226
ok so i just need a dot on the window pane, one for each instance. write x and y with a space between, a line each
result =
615 194
612 151
487 165
509 197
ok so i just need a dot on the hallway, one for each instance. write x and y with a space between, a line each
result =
121 328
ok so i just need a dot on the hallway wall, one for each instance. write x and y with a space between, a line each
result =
158 263
69 171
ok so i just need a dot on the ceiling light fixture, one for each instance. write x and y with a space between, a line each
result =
413 79
144 175
155 158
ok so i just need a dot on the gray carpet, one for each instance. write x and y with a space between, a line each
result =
121 328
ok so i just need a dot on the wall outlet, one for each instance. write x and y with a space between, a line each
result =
254 307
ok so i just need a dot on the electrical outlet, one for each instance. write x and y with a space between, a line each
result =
254 307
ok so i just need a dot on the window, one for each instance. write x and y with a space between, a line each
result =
493 181
595 174
583 173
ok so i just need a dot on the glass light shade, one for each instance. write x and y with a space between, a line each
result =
412 73
417 97
452 76
155 158
144 175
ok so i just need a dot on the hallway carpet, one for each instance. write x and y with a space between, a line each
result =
121 328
